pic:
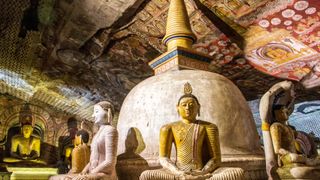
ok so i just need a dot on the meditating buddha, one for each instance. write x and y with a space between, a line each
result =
24 146
81 152
197 146
284 155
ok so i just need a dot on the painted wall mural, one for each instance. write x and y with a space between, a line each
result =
286 44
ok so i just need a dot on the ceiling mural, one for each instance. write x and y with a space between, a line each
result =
69 58
288 43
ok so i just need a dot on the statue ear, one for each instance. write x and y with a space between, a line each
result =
177 108
81 141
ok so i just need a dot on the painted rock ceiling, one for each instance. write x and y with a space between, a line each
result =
81 52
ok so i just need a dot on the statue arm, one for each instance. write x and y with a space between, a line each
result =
212 139
14 148
111 143
86 169
276 134
166 139
35 152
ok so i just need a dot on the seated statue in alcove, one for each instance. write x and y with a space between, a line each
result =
198 154
286 158
24 146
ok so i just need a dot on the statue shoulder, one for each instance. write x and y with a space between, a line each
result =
276 126
168 127
110 129
207 124
16 137
35 138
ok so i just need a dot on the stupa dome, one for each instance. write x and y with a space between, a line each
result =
152 103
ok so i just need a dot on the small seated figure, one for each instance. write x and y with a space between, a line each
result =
81 152
283 158
24 146
104 144
197 146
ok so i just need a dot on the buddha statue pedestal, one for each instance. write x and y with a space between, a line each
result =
34 173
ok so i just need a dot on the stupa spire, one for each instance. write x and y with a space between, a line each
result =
178 29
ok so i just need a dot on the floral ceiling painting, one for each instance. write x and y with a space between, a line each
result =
286 44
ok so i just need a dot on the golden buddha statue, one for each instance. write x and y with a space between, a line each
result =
284 158
197 146
24 146
81 152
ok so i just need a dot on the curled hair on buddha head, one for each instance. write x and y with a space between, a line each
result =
188 94
108 107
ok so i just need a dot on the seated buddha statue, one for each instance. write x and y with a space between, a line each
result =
197 147
103 148
24 146
284 157
81 152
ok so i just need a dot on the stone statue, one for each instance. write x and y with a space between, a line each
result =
103 147
283 159
197 146
24 146
81 153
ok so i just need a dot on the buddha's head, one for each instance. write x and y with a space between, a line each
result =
82 136
27 130
188 105
283 105
103 112
281 113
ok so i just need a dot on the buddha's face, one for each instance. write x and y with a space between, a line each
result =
282 114
77 140
99 114
188 108
27 131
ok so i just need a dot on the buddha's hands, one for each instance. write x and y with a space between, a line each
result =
297 158
84 172
194 175
198 172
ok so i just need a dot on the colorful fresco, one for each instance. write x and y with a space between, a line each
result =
286 44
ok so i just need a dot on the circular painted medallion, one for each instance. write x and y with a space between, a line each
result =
297 17
310 10
275 21
264 23
288 13
301 5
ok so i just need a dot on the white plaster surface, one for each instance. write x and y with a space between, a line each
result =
152 103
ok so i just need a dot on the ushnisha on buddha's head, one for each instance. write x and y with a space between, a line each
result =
188 105
26 130
103 113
